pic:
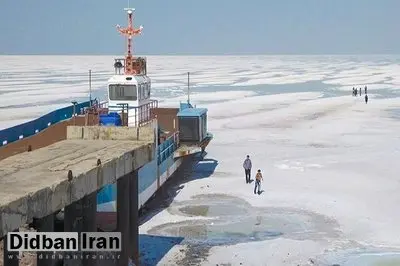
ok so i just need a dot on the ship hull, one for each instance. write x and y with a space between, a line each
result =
151 177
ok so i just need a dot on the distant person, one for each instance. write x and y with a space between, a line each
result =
366 98
360 92
365 89
354 91
247 168
257 185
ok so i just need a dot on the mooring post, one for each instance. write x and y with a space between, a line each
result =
123 218
46 224
9 258
89 223
134 215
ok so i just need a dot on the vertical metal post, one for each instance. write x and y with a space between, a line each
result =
74 111
90 87
123 114
136 118
157 154
188 79
127 114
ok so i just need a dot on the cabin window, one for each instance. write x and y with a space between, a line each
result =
189 129
148 89
204 125
143 86
121 92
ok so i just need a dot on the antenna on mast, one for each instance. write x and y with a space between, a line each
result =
188 88
90 87
130 31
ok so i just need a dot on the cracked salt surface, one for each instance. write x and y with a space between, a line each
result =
231 220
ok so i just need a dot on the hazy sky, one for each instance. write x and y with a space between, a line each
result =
202 27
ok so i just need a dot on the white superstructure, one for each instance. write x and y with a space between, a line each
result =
133 91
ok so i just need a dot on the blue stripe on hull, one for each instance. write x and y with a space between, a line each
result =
107 196
147 175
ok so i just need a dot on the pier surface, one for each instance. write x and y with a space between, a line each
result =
38 183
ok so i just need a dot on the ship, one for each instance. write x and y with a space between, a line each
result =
181 133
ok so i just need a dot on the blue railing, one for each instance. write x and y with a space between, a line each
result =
30 128
167 148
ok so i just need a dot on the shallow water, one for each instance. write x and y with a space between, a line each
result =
213 210
394 113
366 259
232 220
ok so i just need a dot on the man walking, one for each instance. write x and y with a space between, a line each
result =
247 168
257 185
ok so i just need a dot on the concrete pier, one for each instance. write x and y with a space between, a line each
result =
9 258
68 174
46 224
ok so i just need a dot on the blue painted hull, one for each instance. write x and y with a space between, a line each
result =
151 177
149 182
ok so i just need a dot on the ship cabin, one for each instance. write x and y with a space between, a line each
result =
192 124
131 92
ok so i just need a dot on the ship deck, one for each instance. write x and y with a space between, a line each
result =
35 184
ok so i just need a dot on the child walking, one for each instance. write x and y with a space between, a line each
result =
257 186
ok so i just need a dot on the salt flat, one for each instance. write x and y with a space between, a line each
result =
45 81
329 160
331 156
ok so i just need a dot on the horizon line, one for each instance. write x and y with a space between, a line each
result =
204 55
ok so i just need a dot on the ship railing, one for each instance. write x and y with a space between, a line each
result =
142 113
137 116
168 147
103 104
97 107
35 126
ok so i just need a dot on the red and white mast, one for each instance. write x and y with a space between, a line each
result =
129 32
